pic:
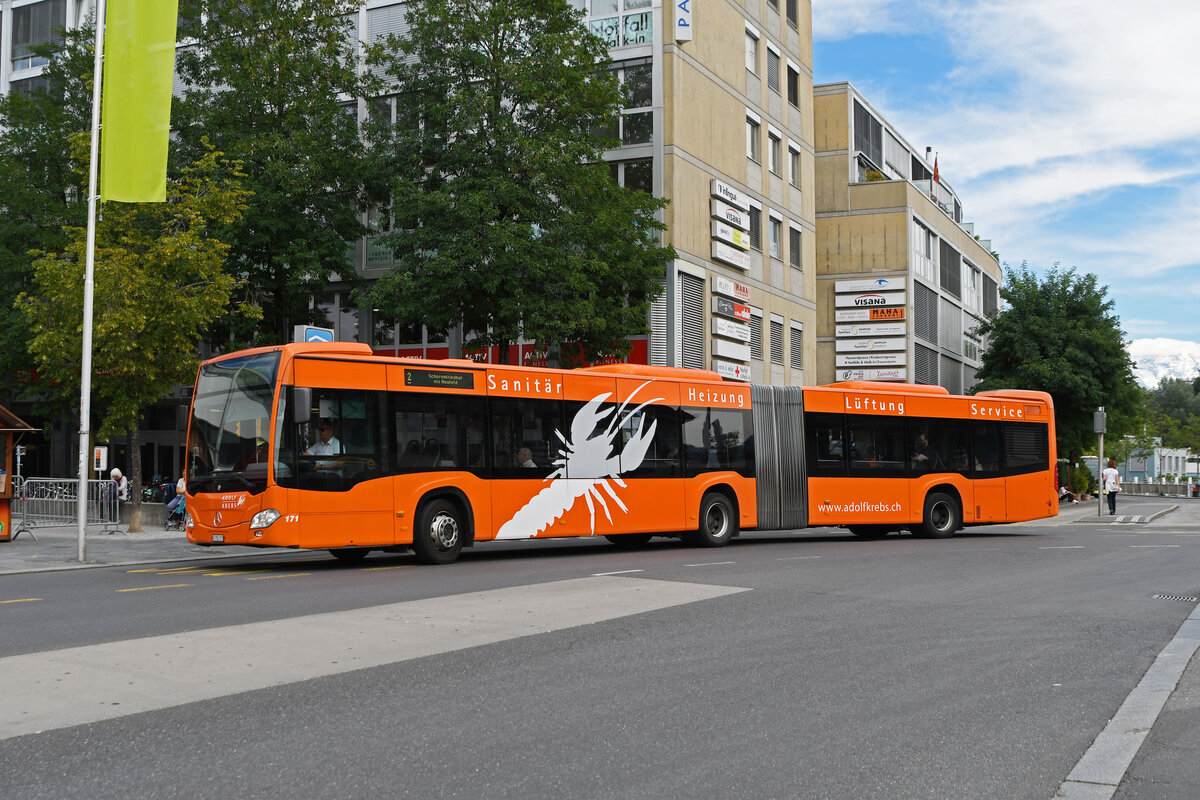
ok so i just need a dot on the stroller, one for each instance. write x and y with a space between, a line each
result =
175 511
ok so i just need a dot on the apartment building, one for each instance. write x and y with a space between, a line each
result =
902 280
719 122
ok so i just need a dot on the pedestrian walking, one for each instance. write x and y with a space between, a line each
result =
1112 485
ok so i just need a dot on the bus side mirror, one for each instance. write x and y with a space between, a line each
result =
181 418
300 404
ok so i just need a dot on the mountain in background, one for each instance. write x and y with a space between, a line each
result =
1155 359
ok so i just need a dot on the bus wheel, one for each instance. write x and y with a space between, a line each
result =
349 555
438 537
629 539
870 531
942 516
718 524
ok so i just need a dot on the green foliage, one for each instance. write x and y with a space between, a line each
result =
506 218
274 86
41 193
158 285
1173 410
1059 334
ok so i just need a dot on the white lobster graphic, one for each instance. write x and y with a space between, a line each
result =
591 465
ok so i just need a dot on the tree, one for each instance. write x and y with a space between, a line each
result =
159 285
1174 408
506 218
41 193
1059 334
274 85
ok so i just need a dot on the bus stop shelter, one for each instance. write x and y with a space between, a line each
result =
12 428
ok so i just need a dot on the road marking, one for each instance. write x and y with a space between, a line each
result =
618 572
795 558
22 600
1103 766
1063 547
711 564
1154 545
285 575
76 685
147 588
395 566
234 571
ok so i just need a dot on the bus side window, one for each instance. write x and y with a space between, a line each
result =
718 439
985 449
824 443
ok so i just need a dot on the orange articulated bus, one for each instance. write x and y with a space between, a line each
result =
327 446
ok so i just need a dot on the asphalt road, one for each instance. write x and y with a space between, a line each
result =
810 665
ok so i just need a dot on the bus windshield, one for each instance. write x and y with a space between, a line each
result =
230 425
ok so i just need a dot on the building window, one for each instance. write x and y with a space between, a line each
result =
776 228
925 313
691 314
774 152
971 286
33 25
991 300
772 70
794 247
756 335
797 349
751 52
756 228
793 86
923 251
752 146
868 135
773 4
637 115
635 174
791 13
776 341
951 269
793 167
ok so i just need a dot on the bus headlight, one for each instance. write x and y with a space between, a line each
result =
265 518
188 522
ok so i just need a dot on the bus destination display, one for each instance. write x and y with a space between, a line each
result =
439 379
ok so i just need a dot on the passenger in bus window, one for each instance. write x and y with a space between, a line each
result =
924 457
525 457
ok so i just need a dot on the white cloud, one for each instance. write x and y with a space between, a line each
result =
841 19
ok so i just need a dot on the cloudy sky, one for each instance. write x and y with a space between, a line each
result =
1070 129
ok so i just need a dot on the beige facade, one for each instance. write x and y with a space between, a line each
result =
732 150
901 279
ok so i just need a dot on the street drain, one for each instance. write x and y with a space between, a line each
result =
1177 597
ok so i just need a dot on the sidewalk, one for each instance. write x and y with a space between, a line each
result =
58 549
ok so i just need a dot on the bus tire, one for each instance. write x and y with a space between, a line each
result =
870 531
438 536
942 516
628 540
718 522
349 555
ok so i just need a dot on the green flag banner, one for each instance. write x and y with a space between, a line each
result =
135 118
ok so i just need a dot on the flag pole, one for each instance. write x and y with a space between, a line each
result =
85 368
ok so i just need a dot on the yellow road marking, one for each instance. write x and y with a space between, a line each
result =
397 566
288 575
22 600
144 588
234 572
171 571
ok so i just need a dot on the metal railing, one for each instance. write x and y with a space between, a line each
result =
1157 489
53 503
